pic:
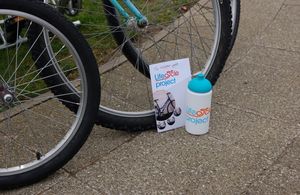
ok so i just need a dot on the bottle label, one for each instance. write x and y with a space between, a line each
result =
198 112
169 81
199 116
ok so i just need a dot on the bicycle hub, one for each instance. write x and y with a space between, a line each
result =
6 96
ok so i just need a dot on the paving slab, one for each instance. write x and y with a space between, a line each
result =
238 53
262 188
281 60
100 143
292 2
173 162
261 89
280 179
294 93
274 58
40 186
291 158
126 89
283 177
283 32
70 186
34 130
256 15
252 132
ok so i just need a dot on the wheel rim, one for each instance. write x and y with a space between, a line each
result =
125 104
24 128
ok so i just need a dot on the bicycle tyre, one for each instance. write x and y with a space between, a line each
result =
236 12
43 164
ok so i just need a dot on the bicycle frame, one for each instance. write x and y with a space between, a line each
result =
164 107
140 18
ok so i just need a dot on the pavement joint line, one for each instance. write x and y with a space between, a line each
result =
255 37
236 63
254 113
291 4
277 48
29 105
126 141
288 145
273 19
274 160
260 176
67 171
48 188
225 72
249 187
83 182
271 67
259 33
211 137
71 176
86 184
249 153
264 173
103 156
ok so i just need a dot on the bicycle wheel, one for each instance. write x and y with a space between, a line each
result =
199 30
38 135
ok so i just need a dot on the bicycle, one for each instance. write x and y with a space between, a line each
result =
167 110
38 135
200 30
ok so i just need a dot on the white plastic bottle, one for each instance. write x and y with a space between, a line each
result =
199 94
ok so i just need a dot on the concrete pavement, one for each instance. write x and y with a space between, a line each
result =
253 146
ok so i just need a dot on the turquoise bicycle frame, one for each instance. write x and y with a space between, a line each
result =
142 20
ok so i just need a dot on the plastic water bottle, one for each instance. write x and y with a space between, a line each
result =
199 94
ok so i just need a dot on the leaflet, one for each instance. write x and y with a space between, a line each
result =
169 81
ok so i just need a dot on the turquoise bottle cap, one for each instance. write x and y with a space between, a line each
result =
200 84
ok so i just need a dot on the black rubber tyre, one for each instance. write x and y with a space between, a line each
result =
235 25
58 159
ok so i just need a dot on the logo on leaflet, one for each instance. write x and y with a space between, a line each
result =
166 79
